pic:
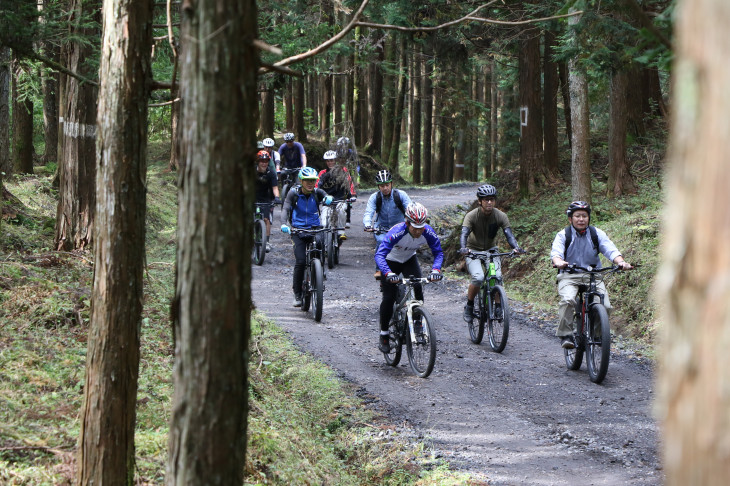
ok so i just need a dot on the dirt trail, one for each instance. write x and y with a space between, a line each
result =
518 417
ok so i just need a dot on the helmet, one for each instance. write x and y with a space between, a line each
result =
268 142
383 177
416 214
578 205
263 155
259 145
308 173
330 155
487 190
289 137
343 141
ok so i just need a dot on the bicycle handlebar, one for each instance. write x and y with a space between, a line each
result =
414 280
488 253
308 231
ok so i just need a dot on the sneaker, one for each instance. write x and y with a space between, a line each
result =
378 274
384 345
567 342
268 247
469 312
342 237
347 225
297 300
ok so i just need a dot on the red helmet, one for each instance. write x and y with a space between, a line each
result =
263 155
416 214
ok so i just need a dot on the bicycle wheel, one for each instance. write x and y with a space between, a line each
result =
422 353
317 289
598 343
307 288
476 326
259 242
285 190
498 325
330 246
574 357
337 253
392 358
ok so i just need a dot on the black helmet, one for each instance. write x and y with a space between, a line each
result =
487 190
578 205
383 177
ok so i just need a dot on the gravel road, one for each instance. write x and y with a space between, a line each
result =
519 417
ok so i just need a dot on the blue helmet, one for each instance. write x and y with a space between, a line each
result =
308 173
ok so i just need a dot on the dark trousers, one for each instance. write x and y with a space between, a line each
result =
300 258
409 268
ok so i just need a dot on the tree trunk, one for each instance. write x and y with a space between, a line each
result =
211 309
300 131
531 152
338 86
389 94
620 180
400 94
50 107
288 105
266 129
493 125
5 163
415 125
375 112
693 293
565 92
427 107
580 152
325 106
77 167
22 131
106 446
550 105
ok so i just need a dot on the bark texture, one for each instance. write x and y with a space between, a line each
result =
580 141
106 446
77 169
211 310
693 285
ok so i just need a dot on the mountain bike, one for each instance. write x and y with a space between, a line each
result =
288 179
313 283
258 252
329 219
491 307
591 329
413 326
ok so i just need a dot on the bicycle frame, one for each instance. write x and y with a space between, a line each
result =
407 301
490 281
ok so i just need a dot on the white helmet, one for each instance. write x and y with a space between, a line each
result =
330 155
268 142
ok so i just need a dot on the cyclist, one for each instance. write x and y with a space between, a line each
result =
397 254
478 232
267 189
292 153
584 242
301 211
275 156
337 183
386 207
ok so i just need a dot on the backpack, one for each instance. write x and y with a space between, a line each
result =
569 238
396 199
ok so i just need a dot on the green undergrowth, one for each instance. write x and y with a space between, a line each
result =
305 425
633 224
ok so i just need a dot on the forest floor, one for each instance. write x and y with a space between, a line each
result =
519 417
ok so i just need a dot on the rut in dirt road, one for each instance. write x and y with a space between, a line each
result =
518 417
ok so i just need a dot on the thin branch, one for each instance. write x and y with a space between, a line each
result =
169 28
265 68
263 46
327 44
164 103
466 18
52 64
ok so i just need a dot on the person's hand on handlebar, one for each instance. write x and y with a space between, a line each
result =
560 263
285 229
518 251
435 275
392 277
369 229
464 251
624 265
